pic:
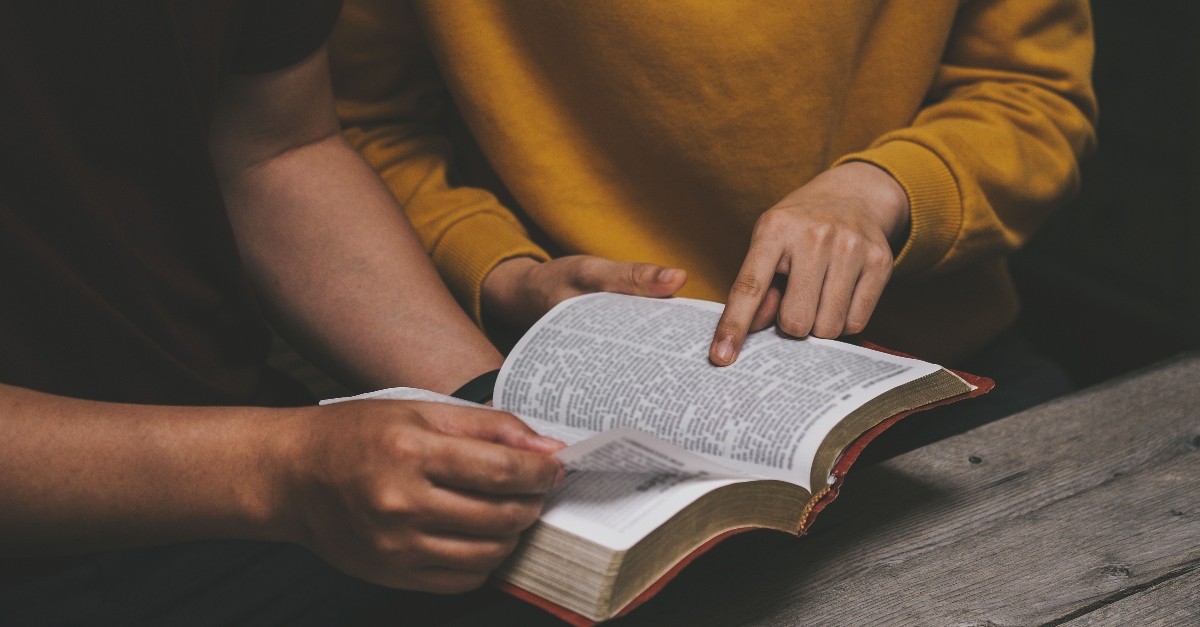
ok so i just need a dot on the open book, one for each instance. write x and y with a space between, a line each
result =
668 454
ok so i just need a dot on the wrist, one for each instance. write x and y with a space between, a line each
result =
883 195
500 294
500 284
275 466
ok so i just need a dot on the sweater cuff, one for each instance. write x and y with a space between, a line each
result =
470 249
935 204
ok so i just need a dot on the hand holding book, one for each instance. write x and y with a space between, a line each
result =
434 497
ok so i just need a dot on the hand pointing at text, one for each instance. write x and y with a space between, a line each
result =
818 260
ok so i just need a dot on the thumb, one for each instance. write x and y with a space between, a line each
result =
638 279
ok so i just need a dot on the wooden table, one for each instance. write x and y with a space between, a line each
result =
1082 511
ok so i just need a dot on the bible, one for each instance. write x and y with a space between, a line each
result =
668 454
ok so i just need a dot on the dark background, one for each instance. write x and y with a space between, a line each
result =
1112 282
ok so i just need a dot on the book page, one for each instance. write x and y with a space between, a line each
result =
602 361
632 451
623 484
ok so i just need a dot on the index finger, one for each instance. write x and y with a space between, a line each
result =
745 296
492 425
469 464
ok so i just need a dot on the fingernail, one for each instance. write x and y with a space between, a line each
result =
560 477
724 350
666 275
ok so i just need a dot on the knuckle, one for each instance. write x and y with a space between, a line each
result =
821 233
505 421
827 330
402 442
848 242
391 545
547 473
515 518
772 221
507 520
587 267
407 450
637 275
879 257
505 472
748 286
795 326
390 501
860 315
494 554
645 276
855 325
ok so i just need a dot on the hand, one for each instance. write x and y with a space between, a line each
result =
420 496
830 242
519 291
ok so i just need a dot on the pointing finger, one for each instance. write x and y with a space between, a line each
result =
745 297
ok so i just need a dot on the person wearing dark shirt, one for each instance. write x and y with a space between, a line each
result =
174 181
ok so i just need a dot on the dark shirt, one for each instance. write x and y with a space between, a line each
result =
119 276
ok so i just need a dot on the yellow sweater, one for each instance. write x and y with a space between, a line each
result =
659 131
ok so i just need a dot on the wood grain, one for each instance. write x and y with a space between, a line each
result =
1156 606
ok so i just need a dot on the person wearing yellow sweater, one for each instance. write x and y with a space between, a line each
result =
836 167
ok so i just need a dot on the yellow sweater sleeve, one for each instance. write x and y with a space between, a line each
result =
392 102
996 148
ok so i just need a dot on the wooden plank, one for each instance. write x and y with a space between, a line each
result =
891 515
1041 567
1156 606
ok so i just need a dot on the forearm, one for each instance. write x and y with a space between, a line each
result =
78 476
333 259
340 271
